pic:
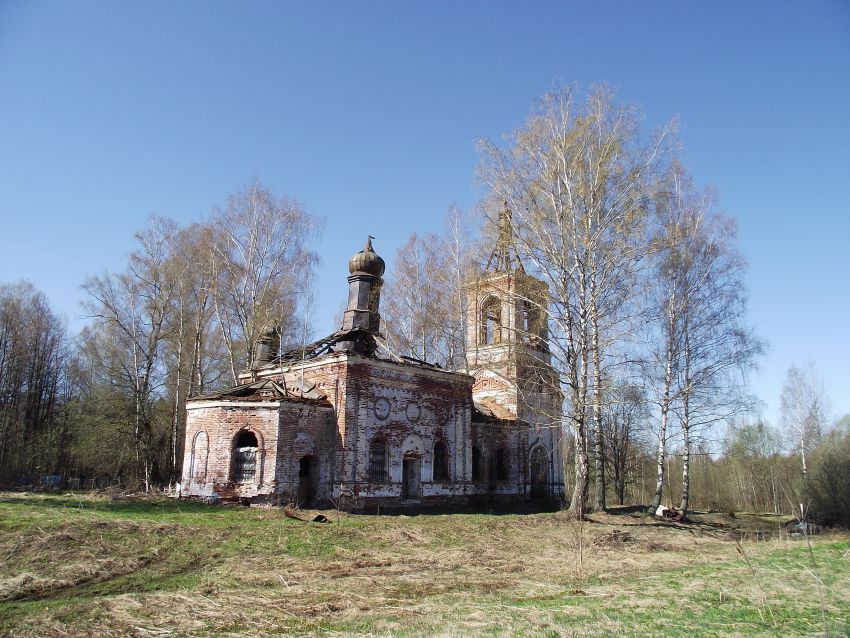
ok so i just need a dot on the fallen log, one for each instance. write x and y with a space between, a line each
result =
291 512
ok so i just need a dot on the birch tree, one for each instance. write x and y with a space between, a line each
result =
576 178
804 411
718 348
261 265
194 355
424 300
704 346
461 251
414 300
131 314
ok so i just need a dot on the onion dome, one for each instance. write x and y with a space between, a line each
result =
366 261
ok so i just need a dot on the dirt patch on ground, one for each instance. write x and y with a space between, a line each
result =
614 538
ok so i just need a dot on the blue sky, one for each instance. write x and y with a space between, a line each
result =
368 113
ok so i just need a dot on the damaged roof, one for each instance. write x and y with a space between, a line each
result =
340 341
488 409
356 340
267 390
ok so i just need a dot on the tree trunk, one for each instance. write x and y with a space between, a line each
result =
599 443
175 419
665 404
662 453
580 489
686 412
686 467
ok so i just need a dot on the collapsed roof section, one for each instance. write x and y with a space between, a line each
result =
487 409
267 390
357 341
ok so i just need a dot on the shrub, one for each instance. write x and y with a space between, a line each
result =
829 482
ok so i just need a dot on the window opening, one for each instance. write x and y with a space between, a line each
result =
502 464
441 462
245 457
378 461
304 466
477 468
491 321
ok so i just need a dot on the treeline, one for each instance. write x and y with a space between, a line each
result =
107 405
753 468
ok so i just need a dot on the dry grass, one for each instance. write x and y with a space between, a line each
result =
74 566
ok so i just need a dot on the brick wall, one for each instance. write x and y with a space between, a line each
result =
409 407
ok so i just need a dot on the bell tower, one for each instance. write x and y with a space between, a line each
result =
507 335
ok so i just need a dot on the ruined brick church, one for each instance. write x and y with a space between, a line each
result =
343 422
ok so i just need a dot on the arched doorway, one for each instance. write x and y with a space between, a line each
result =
308 479
411 477
539 473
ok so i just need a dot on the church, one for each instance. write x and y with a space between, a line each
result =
343 423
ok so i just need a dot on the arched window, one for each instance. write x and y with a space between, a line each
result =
200 449
441 461
502 464
245 457
378 461
477 466
491 321
529 322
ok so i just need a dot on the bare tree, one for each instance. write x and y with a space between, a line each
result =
194 355
717 348
34 356
576 178
664 354
131 312
804 410
416 301
702 347
461 251
261 264
424 299
623 428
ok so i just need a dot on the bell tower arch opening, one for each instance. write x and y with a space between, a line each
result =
491 321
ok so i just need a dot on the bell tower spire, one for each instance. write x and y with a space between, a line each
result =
504 257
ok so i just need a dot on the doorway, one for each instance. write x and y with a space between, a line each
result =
539 474
411 478
308 479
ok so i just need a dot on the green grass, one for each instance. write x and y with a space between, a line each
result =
78 565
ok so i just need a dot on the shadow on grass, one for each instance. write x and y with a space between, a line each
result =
495 509
130 507
147 507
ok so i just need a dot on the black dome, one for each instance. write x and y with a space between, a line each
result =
366 261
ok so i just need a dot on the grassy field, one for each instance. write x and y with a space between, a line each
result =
89 565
